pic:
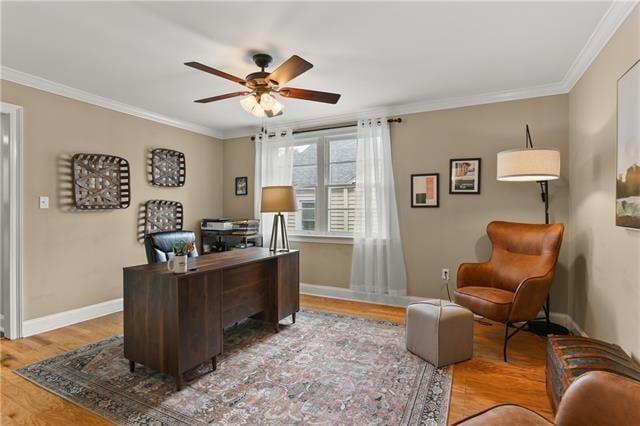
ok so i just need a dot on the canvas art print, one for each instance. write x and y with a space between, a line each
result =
464 176
628 155
425 190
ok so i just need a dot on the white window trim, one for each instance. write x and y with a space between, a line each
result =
322 139
322 238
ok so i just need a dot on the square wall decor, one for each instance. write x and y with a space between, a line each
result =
168 168
162 215
100 182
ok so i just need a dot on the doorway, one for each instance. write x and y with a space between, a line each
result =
10 221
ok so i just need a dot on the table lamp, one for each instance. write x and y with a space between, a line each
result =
278 199
539 165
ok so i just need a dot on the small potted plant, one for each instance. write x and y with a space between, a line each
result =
178 263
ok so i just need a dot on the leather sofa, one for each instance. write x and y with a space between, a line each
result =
513 285
159 246
596 398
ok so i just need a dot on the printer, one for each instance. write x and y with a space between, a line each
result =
223 224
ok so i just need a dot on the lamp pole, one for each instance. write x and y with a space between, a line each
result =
547 327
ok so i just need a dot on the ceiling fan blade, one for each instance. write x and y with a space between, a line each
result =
289 69
221 97
205 68
310 95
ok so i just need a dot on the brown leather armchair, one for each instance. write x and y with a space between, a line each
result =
596 398
514 283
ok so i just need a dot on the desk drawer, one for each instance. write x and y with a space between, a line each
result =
247 291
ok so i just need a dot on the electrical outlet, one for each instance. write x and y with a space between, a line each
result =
445 274
44 202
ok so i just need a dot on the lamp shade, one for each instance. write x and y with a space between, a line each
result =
530 164
276 199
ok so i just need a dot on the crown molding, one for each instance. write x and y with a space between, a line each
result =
40 83
412 108
606 28
615 15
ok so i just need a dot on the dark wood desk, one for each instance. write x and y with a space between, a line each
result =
174 322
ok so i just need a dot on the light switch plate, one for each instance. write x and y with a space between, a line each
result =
44 202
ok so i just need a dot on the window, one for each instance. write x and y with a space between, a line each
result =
324 175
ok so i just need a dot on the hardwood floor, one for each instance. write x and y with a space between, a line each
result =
477 384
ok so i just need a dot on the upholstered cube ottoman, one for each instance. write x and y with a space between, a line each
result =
440 332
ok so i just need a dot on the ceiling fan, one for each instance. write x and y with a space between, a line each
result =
262 86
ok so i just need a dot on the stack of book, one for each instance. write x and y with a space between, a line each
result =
246 227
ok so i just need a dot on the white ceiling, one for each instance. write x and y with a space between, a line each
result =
377 55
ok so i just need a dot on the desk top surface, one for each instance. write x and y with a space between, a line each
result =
214 261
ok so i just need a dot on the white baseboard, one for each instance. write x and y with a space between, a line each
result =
74 316
360 296
565 320
347 294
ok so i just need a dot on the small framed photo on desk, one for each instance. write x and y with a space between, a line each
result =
242 187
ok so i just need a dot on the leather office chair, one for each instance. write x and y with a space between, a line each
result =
596 398
514 283
159 246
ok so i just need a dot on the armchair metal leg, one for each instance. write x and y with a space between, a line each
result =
508 336
506 339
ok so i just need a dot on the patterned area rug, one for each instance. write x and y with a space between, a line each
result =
325 369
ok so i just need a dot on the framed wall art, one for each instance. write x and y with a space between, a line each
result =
100 182
425 190
162 215
464 175
168 168
242 186
628 150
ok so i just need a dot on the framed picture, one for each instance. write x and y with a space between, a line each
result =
628 150
464 176
425 190
242 187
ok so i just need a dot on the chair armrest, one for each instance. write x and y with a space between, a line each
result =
474 274
600 398
529 297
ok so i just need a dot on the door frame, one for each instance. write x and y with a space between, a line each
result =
15 219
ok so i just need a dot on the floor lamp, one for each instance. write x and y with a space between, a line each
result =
539 165
278 199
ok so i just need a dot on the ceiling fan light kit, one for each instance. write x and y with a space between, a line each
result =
261 100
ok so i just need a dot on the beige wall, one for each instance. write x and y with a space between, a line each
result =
604 259
443 238
73 260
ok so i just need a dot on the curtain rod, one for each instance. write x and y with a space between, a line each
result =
338 126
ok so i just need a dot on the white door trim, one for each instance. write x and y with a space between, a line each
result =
15 220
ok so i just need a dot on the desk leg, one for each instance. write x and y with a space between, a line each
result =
276 326
214 363
179 381
132 366
293 317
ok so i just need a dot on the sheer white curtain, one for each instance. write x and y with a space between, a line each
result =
274 166
378 262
